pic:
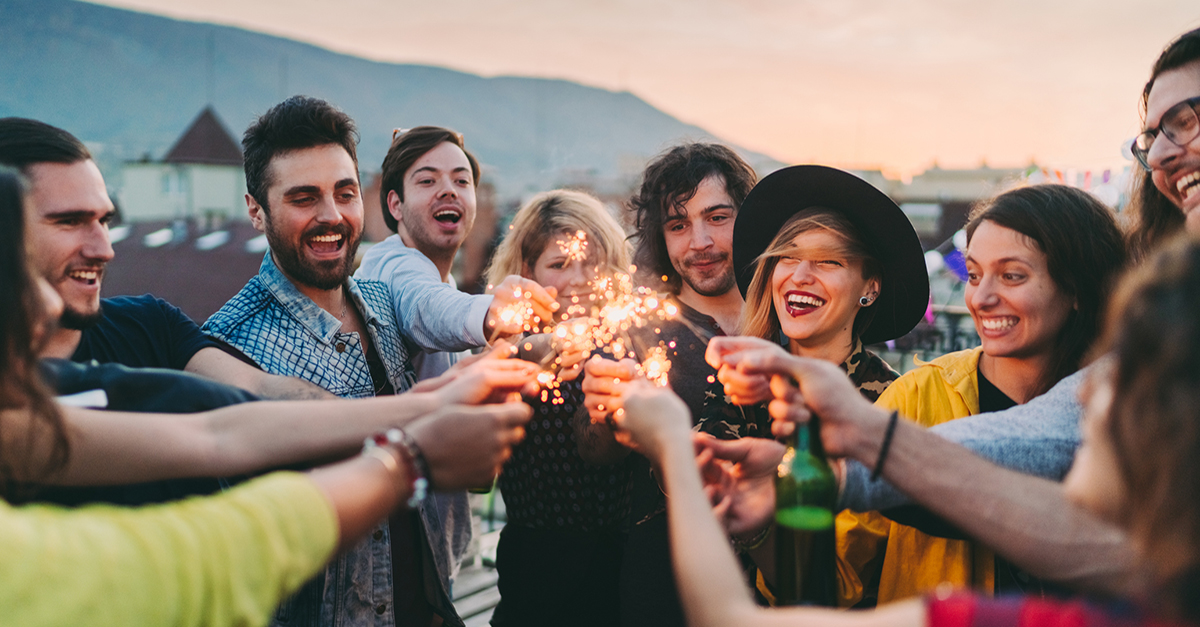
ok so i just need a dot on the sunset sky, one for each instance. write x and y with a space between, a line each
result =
891 84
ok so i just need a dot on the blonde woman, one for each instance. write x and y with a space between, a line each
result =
566 488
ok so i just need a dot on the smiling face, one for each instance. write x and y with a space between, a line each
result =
68 211
1175 169
438 209
314 224
572 277
699 239
815 288
1017 307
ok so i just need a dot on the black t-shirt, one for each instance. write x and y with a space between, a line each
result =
142 332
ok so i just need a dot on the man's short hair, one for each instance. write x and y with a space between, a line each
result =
407 147
295 124
25 142
668 183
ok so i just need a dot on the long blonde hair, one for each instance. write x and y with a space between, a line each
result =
759 318
549 216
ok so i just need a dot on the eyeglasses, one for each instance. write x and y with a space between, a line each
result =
1180 125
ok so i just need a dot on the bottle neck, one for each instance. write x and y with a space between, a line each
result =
807 438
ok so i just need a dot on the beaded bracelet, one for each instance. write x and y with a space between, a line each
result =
407 450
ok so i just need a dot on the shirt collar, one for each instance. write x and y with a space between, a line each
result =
319 322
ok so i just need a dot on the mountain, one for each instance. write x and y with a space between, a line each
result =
129 83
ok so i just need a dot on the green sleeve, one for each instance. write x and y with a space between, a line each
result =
222 560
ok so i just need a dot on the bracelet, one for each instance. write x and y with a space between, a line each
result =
406 449
887 443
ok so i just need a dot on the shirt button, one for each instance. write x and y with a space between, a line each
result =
378 535
381 608
341 347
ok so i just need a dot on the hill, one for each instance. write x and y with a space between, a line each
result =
129 83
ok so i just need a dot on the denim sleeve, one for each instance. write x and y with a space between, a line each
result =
433 315
1037 438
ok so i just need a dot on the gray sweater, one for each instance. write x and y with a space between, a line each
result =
1037 438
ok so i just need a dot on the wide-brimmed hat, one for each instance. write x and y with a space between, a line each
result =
886 232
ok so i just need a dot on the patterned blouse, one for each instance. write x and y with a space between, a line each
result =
547 485
721 418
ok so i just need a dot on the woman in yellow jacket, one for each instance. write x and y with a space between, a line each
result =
1036 291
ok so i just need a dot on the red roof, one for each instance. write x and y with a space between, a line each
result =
206 141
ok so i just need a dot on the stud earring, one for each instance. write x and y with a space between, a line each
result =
864 301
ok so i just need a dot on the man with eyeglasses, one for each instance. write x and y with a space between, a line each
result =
962 470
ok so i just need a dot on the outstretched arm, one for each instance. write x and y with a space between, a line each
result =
706 572
222 367
121 447
1027 519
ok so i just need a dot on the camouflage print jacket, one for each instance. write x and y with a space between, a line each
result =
721 418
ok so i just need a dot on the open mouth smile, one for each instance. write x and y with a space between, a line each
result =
448 216
89 276
1001 323
1189 185
802 303
327 243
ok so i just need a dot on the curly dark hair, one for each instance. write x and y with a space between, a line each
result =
1085 268
294 124
407 147
1153 336
31 421
667 184
1154 218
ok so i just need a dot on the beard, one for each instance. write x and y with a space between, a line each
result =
79 320
708 285
322 275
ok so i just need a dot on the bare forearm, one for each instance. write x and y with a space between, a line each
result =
706 572
1024 518
227 441
362 491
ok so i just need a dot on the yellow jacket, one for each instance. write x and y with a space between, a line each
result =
914 563
227 559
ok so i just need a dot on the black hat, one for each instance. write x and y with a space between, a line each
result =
886 231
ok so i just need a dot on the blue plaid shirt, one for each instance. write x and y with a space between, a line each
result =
286 333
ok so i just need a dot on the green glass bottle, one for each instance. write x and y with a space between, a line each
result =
805 494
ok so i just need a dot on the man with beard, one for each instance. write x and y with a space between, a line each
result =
67 235
427 193
304 315
685 211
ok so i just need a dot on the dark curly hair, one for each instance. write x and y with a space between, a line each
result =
667 184
294 124
1154 218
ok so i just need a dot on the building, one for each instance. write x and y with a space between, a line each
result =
199 180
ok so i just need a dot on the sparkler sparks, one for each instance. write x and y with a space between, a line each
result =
574 247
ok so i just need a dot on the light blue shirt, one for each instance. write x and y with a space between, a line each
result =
1038 438
434 316
286 333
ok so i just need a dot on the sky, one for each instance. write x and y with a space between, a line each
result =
896 85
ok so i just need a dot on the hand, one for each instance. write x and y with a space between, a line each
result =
527 299
743 388
466 446
490 381
500 349
605 385
739 477
570 353
654 418
802 387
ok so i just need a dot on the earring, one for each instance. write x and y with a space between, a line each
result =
864 301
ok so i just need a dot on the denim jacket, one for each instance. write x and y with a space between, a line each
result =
286 333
